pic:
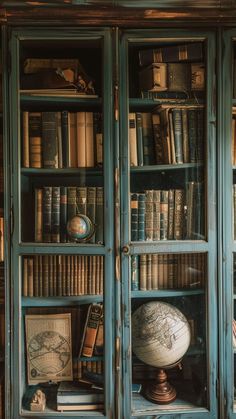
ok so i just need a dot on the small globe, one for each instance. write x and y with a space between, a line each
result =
80 228
160 334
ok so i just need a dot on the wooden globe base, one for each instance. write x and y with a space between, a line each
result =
160 391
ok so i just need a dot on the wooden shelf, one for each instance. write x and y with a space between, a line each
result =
139 103
87 171
166 293
27 99
165 167
60 301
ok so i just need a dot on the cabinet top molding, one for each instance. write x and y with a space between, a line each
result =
106 15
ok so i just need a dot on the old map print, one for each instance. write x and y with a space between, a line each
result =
48 342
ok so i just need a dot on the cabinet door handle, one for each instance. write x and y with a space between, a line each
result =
125 249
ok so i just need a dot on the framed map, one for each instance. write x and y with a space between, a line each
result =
48 343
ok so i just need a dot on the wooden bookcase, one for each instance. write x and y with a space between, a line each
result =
163 233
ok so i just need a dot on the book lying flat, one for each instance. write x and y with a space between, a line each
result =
70 393
70 407
56 92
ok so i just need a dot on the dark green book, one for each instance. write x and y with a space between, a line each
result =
55 231
49 140
71 202
82 199
63 214
47 213
192 134
178 137
148 143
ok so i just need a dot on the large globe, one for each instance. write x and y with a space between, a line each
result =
160 334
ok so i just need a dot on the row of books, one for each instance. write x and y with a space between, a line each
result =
62 139
56 205
62 275
1 239
176 68
72 396
172 77
173 214
167 271
171 135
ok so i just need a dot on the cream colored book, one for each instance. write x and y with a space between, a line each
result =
81 140
89 139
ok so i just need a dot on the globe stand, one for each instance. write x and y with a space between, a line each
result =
160 391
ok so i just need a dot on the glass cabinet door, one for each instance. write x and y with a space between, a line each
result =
228 145
62 178
168 224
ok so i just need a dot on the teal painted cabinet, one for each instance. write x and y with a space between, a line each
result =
112 139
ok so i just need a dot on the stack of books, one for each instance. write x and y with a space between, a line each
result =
71 396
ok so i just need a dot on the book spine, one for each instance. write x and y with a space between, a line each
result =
63 214
141 216
200 135
98 135
185 135
38 215
192 134
154 272
59 141
81 139
156 215
171 218
55 230
47 213
178 214
148 142
51 286
163 215
143 272
35 139
82 199
156 124
45 276
177 127
89 139
71 202
36 275
149 215
49 140
65 138
91 329
72 139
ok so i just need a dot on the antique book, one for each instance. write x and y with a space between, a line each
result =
35 139
171 215
49 140
178 214
98 132
141 216
178 138
158 145
197 76
153 77
63 214
72 127
192 134
172 53
45 270
55 229
38 237
149 215
65 138
47 213
156 215
89 142
164 215
185 135
148 142
143 272
81 139
42 365
99 342
134 216
95 311
179 77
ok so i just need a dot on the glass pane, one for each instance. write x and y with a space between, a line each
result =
55 344
61 141
169 330
167 140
